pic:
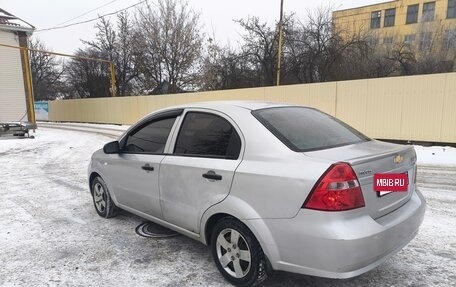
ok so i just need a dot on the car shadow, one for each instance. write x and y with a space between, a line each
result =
10 137
175 246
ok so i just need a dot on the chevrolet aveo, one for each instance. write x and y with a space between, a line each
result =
268 186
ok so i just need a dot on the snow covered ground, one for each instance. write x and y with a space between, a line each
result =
436 155
50 234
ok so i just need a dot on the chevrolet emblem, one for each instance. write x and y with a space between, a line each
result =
398 159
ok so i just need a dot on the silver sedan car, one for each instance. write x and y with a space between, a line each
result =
268 186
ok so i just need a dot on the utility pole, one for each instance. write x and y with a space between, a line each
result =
279 56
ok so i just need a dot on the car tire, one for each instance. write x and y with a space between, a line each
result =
237 253
102 200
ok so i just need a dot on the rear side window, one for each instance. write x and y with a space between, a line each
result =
306 129
150 138
207 135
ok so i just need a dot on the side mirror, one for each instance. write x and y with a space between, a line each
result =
111 148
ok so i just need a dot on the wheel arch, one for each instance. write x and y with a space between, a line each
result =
210 224
94 174
92 177
238 209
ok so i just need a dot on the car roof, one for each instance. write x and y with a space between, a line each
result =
249 105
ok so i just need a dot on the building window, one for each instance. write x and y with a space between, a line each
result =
449 40
375 19
390 17
388 40
451 13
373 41
412 14
409 38
425 41
428 11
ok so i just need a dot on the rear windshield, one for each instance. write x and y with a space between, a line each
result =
306 129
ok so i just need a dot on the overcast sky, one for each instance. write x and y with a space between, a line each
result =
216 16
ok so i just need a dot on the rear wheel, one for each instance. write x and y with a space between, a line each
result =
104 205
237 253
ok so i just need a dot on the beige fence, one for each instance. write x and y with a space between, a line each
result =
419 108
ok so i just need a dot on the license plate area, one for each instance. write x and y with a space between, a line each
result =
383 193
385 184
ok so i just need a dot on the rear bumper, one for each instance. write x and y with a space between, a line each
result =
337 245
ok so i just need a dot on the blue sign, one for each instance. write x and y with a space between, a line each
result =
41 111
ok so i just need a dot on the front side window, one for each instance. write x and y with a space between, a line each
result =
428 11
304 129
207 135
375 19
390 17
412 14
451 12
150 138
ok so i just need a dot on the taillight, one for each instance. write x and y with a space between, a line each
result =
337 189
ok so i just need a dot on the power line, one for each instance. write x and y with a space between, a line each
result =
104 5
91 20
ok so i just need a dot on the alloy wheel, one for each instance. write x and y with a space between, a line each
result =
233 253
99 197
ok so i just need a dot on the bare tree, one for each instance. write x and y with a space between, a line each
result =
431 52
224 68
404 56
116 44
424 52
168 45
88 79
315 47
46 72
260 49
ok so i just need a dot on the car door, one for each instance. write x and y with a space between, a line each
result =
134 172
206 152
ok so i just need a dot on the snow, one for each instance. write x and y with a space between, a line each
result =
51 235
11 20
436 155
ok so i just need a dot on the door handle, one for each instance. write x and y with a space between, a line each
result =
147 167
212 175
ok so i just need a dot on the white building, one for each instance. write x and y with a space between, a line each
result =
13 83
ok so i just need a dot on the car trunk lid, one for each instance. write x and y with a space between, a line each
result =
376 157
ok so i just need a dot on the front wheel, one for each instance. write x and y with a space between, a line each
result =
104 205
237 253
